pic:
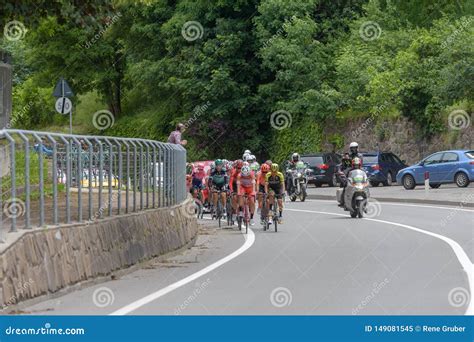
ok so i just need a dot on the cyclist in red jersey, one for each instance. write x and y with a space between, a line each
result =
246 185
233 185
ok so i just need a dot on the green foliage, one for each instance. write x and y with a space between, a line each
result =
250 59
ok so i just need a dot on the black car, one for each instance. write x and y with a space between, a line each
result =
323 167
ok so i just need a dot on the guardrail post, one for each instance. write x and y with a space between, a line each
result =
110 175
27 179
55 178
79 177
68 178
41 178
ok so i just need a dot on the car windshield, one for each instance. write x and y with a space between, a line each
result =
313 161
370 158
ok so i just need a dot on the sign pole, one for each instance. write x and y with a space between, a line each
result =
70 121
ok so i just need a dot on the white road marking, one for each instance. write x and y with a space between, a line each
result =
458 251
405 205
249 240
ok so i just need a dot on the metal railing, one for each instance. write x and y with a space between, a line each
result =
52 179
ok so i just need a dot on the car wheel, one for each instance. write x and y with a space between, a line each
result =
333 180
408 182
461 180
374 184
435 185
389 180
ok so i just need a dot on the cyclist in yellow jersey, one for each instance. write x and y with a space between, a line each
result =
275 186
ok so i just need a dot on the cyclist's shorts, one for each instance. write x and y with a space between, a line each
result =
276 190
261 188
218 187
247 190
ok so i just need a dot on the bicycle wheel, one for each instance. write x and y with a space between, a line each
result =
219 211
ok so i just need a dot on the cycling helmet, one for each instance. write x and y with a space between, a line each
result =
247 152
251 158
265 168
245 171
238 164
213 166
354 147
268 162
246 163
295 157
254 166
228 165
218 162
246 156
274 167
356 163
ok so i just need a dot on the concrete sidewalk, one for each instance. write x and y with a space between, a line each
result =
448 194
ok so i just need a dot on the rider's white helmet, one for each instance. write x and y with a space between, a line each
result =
245 171
353 144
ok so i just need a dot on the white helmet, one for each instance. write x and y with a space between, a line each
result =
252 158
246 163
246 157
245 171
247 152
353 144
295 157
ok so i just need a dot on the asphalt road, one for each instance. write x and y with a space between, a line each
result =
446 194
407 259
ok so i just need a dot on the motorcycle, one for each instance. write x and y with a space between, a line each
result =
356 194
299 182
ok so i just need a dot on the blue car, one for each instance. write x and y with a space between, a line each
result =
442 167
381 167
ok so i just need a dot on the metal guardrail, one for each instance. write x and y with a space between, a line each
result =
55 179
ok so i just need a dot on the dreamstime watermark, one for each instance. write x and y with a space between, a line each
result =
109 22
198 111
376 288
46 330
14 208
280 297
192 30
103 297
465 22
105 205
369 121
19 291
103 119
281 119
452 213
373 208
279 32
459 119
200 287
370 30
458 297
14 30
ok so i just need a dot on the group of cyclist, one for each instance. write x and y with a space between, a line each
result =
244 180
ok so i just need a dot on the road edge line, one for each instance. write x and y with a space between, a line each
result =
249 241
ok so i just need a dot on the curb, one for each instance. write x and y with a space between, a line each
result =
402 200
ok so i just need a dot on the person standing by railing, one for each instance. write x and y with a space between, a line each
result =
175 136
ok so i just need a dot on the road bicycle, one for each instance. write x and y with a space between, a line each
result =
274 212
244 218
229 210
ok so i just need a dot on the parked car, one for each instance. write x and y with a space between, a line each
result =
323 168
456 166
382 167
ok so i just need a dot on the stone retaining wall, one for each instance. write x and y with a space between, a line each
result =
44 261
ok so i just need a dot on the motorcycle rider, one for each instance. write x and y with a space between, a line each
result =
352 155
354 151
291 165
